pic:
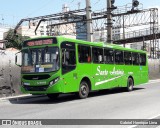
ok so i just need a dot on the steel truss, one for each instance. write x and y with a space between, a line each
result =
66 24
147 21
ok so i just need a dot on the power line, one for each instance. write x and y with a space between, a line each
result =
97 2
72 1
43 6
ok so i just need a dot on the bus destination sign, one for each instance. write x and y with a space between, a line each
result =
39 42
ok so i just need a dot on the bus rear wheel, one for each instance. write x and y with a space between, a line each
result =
130 84
53 96
83 90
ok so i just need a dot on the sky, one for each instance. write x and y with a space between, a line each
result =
12 11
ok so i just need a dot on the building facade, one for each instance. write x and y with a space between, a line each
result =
3 29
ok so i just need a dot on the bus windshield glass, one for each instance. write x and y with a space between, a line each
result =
40 59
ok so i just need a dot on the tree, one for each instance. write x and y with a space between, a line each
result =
14 40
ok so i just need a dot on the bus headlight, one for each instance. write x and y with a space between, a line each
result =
54 81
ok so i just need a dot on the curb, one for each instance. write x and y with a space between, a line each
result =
27 96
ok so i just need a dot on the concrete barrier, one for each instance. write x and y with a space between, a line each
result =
9 73
154 68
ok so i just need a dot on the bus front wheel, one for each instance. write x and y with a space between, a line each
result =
83 90
130 84
53 96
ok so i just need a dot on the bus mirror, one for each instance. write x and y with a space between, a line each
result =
18 59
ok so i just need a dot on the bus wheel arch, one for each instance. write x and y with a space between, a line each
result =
88 81
130 83
84 88
132 79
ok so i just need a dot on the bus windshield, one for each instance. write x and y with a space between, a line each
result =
40 59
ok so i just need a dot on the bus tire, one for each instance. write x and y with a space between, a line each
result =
130 85
83 90
53 96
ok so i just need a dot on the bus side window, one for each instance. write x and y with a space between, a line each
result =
109 56
119 57
84 54
135 58
97 54
142 59
128 58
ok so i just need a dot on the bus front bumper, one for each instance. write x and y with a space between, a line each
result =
45 89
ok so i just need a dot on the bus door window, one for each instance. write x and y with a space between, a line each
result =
68 57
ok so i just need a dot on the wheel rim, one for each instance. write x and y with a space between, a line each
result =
130 85
84 90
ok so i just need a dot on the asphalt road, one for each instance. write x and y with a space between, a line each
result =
142 103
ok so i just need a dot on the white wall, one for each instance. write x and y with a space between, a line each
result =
2 30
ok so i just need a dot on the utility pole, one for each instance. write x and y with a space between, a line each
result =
79 4
89 21
123 31
109 22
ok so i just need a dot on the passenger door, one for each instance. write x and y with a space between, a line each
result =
68 61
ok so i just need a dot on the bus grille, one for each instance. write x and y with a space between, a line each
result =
36 88
36 77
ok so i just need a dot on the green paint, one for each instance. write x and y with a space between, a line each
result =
101 76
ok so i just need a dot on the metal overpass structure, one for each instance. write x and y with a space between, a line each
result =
147 36
123 18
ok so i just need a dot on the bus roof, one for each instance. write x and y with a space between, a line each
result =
101 44
98 44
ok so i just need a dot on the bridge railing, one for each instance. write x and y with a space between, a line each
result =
137 33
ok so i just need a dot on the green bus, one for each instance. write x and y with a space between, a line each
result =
55 65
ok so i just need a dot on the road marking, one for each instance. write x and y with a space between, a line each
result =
154 116
147 119
10 97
